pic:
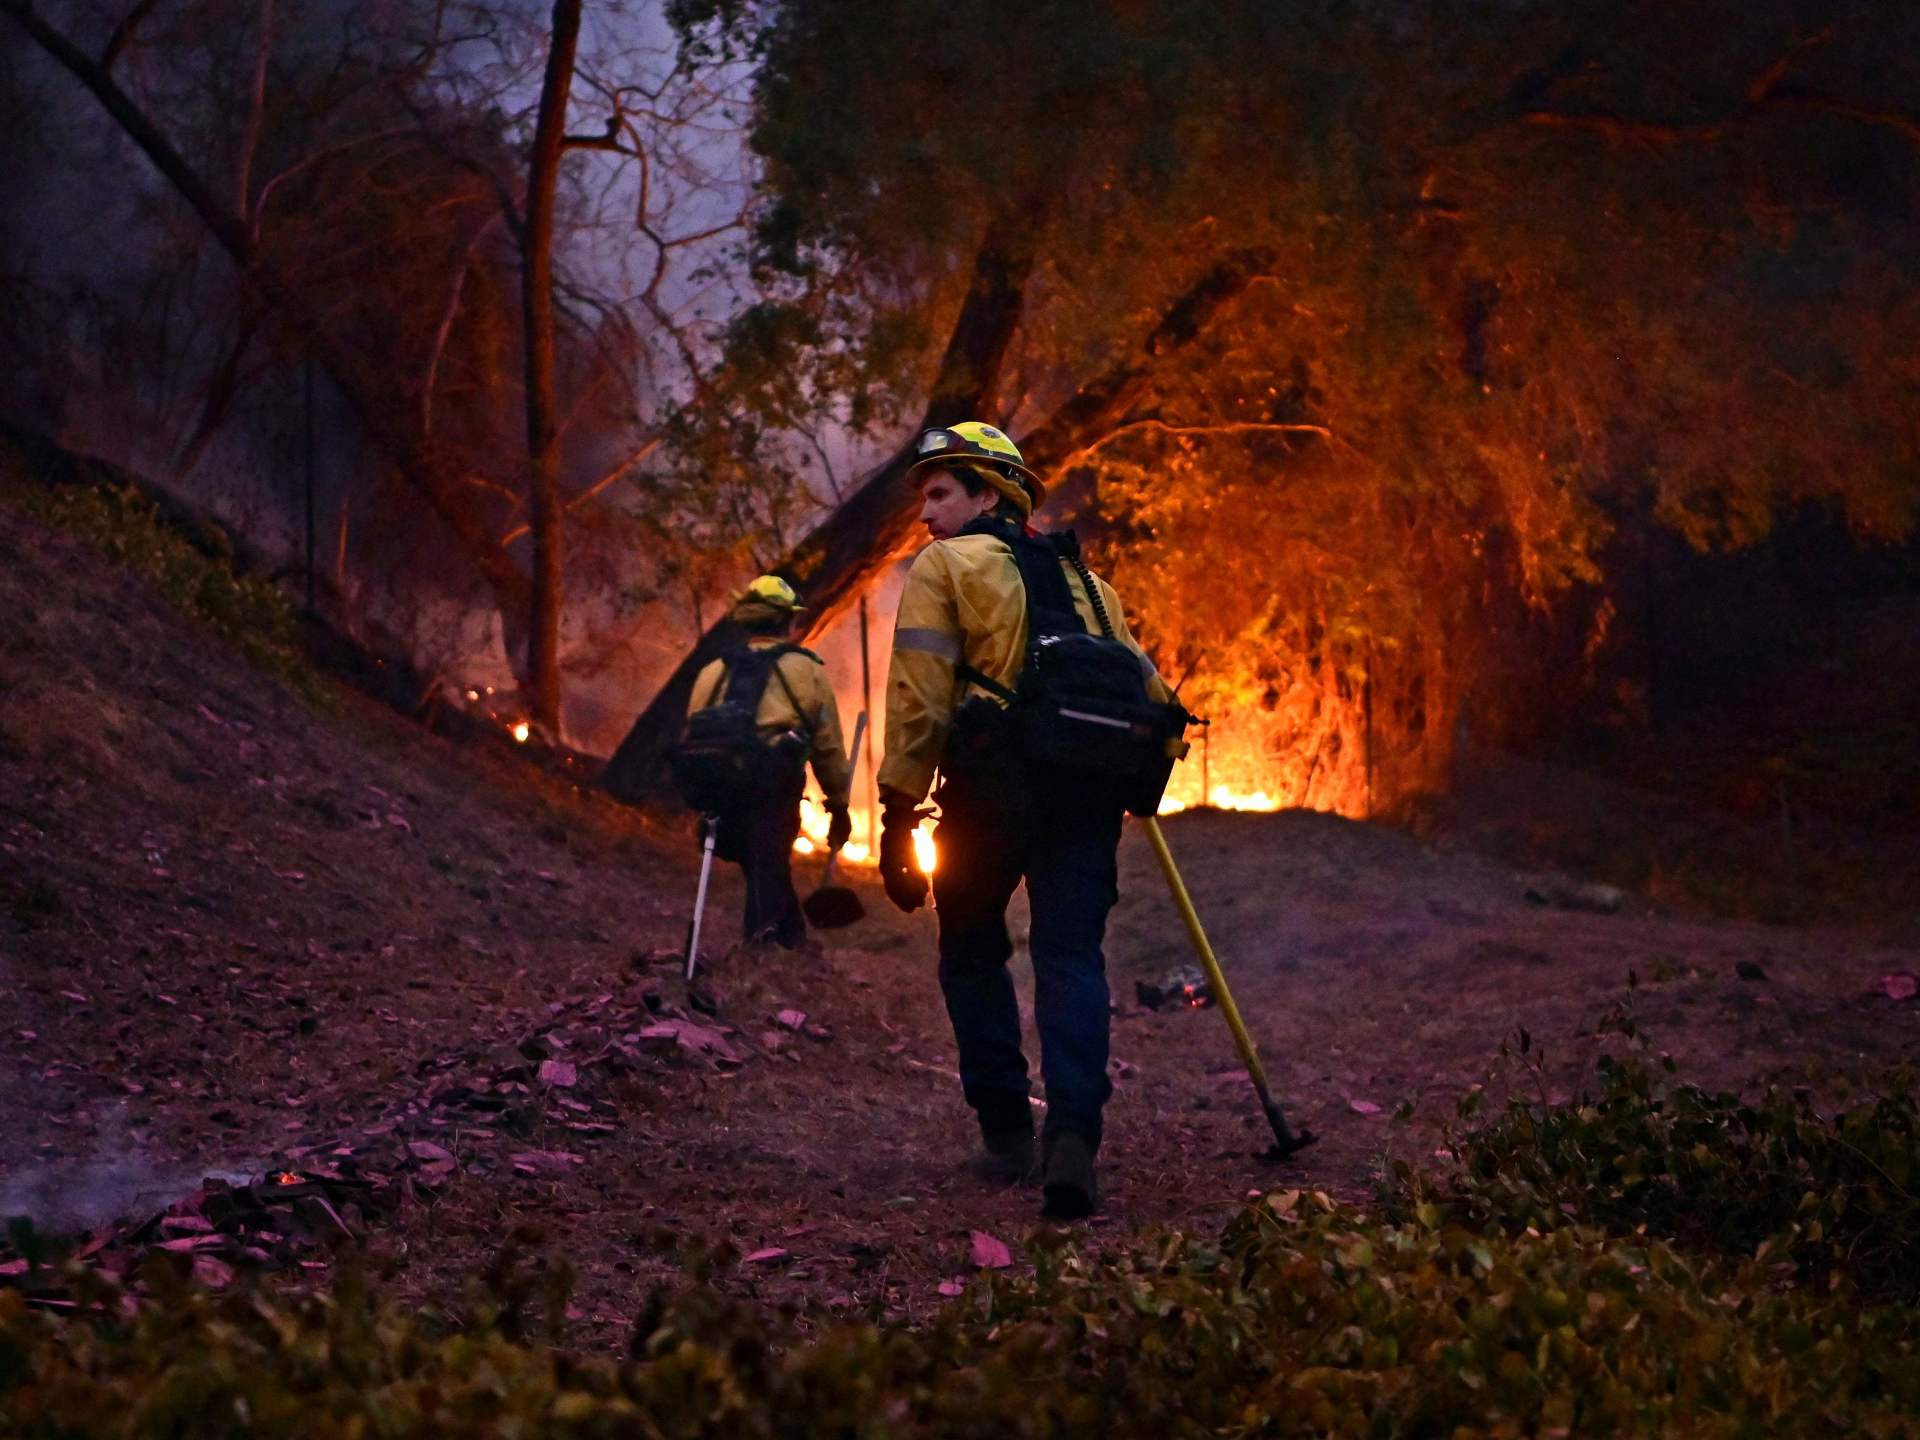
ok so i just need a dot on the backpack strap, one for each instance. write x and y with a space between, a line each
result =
985 681
747 673
1049 599
742 680
806 721
748 669
1050 608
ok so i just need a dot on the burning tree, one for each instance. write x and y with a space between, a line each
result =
1371 341
1524 289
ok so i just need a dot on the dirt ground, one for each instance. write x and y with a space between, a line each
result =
239 933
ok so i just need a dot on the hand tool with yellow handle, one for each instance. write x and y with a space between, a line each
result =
1287 1141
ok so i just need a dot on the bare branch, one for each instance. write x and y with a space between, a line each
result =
1769 79
453 155
1905 123
491 487
833 480
615 475
256 111
1767 92
307 162
1234 430
1652 133
123 33
696 236
445 327
598 142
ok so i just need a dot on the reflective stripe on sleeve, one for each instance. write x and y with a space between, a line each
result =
928 642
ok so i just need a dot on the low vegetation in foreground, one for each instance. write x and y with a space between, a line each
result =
1649 1258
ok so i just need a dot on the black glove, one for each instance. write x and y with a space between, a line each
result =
906 885
839 826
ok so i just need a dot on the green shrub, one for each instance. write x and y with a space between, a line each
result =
1634 1263
198 578
1305 1318
1770 1178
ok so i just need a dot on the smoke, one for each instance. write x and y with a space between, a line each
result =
116 1179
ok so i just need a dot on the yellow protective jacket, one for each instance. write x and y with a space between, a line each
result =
805 703
963 601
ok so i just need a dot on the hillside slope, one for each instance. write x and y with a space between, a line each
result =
241 930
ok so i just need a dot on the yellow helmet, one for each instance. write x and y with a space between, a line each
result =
976 445
768 597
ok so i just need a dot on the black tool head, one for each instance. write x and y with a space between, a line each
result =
1287 1141
833 907
1293 1145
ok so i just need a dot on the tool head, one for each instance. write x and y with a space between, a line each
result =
1296 1142
1287 1142
833 907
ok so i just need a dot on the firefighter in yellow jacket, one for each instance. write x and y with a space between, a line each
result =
797 720
959 647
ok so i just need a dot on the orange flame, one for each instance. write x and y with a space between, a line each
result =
1221 797
813 837
813 833
520 730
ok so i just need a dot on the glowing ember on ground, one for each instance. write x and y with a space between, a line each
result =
286 1177
520 730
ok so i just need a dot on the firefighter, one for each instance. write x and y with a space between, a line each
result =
794 719
959 647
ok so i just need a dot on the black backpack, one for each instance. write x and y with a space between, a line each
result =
1081 706
722 761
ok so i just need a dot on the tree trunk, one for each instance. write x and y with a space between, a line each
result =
377 415
542 400
831 565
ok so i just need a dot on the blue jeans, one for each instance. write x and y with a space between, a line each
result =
1063 848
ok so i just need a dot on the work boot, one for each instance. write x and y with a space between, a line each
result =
1068 1189
1010 1158
1006 1129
